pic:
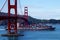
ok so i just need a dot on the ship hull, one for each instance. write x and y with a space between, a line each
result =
50 29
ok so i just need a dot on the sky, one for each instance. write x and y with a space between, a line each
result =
40 9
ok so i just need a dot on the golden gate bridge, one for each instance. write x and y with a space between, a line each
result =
12 20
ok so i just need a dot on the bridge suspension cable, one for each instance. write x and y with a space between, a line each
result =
3 6
20 6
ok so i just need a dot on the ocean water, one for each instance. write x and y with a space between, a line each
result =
35 35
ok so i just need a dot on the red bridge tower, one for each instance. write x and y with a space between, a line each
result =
26 15
12 25
26 12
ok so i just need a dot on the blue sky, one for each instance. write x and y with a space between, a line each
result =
40 9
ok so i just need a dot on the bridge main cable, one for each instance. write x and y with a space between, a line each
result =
3 5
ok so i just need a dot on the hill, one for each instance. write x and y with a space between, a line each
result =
30 19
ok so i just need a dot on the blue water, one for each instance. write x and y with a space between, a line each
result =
37 35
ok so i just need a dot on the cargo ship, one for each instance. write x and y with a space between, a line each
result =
37 27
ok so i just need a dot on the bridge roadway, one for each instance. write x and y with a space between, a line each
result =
12 17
